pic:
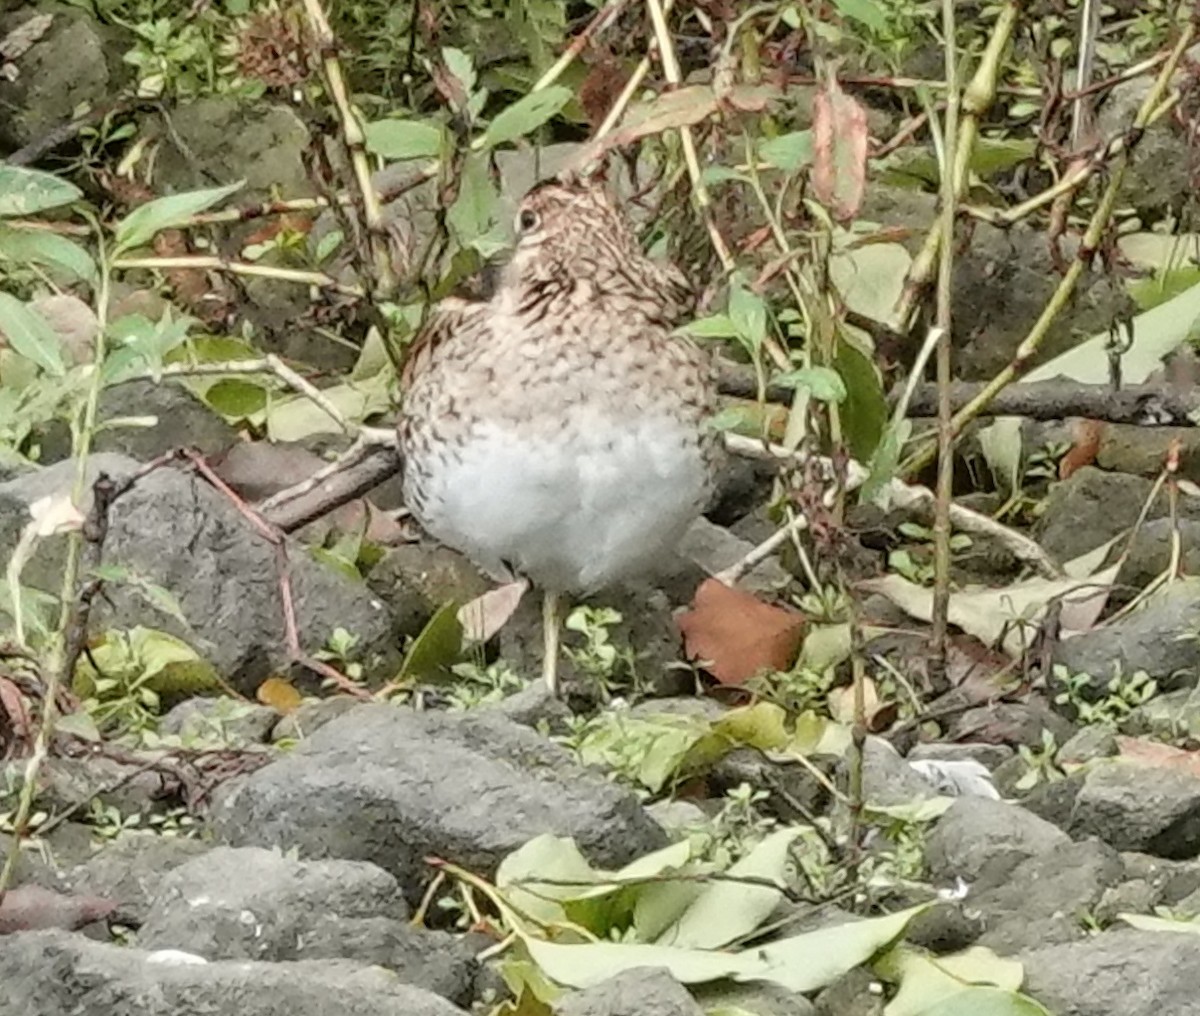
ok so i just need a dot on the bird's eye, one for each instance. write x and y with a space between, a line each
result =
527 220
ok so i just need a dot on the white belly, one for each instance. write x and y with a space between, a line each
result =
574 511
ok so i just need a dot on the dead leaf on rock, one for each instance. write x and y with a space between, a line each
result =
736 636
1084 448
839 150
32 908
1154 753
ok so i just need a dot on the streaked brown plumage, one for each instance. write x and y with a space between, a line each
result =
557 431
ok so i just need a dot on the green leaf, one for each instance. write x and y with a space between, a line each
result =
717 326
788 152
236 399
823 384
983 1001
748 312
26 191
801 963
143 222
79 724
726 910
404 139
474 213
460 65
29 334
865 12
525 115
864 412
928 981
28 246
294 419
434 650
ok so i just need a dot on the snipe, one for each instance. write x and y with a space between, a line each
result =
557 431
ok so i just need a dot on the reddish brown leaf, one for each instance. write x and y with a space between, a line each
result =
280 694
32 908
839 150
1154 753
1086 445
736 636
16 724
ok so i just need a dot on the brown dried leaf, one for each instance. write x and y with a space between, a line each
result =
32 908
1084 449
280 694
1154 753
839 150
736 636
485 615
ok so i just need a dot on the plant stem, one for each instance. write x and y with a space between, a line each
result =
945 474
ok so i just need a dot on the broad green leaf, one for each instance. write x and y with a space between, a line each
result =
79 724
545 857
236 399
926 981
870 276
434 650
986 1002
864 413
718 326
824 384
26 191
404 139
866 12
475 213
748 312
801 963
293 419
29 334
29 246
727 910
140 225
460 65
525 115
788 152
1147 922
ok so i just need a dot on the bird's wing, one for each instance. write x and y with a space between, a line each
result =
450 317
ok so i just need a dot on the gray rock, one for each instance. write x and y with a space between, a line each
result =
1046 898
1171 716
175 530
1093 506
532 706
1174 881
1086 744
1146 640
643 991
977 834
182 421
73 63
309 717
220 720
74 782
1150 554
415 580
130 870
888 779
713 548
228 140
795 792
856 993
249 903
1011 723
1134 973
762 999
391 786
1137 896
1138 807
50 973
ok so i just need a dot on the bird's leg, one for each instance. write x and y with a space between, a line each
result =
550 623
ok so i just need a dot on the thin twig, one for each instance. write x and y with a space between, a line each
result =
945 280
215 263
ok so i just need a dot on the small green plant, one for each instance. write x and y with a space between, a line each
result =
738 827
1122 695
1040 765
917 565
339 650
609 666
798 690
481 685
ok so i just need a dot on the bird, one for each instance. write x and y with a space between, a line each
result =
559 432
